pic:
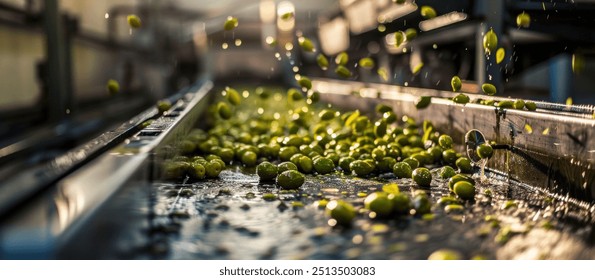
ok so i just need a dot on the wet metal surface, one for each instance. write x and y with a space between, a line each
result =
228 218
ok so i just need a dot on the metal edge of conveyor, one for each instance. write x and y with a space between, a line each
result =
552 150
55 223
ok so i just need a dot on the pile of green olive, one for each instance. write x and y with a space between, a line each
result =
282 136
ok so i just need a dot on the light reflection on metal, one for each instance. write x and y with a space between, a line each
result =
442 21
361 16
334 36
396 11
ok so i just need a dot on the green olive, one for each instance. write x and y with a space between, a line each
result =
465 190
445 141
342 59
422 176
344 163
314 96
284 166
402 170
423 102
505 104
327 115
163 105
401 203
287 16
500 54
226 155
386 164
531 106
285 153
343 72
461 99
428 12
233 96
490 41
224 110
485 151
290 179
322 61
399 38
383 108
249 158
489 89
197 171
133 21
305 164
306 44
523 20
380 203
410 33
447 172
464 165
304 82
412 162
422 204
456 83
263 93
324 165
366 62
454 208
380 128
518 104
448 200
389 117
266 171
212 169
230 23
113 86
458 178
445 255
361 168
341 211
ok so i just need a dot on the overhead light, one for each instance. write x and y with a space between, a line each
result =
267 11
334 36
396 11
361 16
441 21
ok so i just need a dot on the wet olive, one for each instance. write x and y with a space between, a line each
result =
489 89
500 54
163 105
197 171
327 115
445 141
290 179
342 71
305 164
412 162
458 178
523 20
421 204
324 165
304 82
266 171
422 176
410 33
133 21
361 168
490 41
322 61
485 151
284 166
224 110
464 165
366 62
402 170
461 99
447 172
230 23
344 163
249 158
401 203
423 102
212 169
314 96
428 12
233 96
456 83
518 104
342 59
380 203
464 189
399 38
445 254
531 106
341 211
113 86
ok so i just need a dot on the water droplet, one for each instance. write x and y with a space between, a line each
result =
224 46
238 42
106 15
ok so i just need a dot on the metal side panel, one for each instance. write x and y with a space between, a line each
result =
100 210
553 150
